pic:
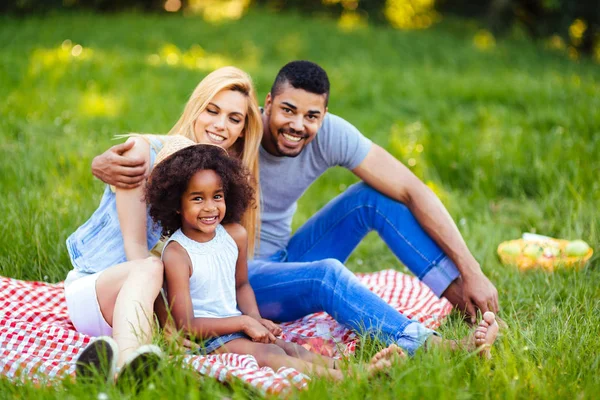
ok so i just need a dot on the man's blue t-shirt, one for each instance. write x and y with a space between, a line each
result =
284 179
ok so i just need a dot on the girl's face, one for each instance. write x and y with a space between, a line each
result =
202 206
222 122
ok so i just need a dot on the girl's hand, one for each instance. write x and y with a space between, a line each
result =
271 326
256 331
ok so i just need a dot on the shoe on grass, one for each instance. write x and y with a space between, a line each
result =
139 367
97 360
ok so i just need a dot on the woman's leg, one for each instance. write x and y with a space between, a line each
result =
126 295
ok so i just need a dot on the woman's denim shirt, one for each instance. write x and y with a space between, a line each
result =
98 243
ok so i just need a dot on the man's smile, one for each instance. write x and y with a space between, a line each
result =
291 138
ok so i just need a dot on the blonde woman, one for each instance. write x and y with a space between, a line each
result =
114 282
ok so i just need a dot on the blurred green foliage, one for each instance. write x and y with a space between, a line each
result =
575 23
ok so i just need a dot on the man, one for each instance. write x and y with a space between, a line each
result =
297 275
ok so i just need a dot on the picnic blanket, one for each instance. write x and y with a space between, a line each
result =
39 343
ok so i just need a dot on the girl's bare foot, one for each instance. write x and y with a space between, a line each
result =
485 334
391 352
383 359
378 366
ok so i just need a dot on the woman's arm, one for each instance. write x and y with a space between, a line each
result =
131 208
178 268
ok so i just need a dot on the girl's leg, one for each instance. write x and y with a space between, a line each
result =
297 351
273 356
126 295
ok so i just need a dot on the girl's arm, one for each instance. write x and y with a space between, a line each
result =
178 268
131 208
246 300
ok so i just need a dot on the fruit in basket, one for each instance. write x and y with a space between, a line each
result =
551 252
577 248
512 249
532 250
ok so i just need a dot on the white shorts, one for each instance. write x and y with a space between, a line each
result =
83 307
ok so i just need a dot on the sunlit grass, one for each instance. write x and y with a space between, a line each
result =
508 138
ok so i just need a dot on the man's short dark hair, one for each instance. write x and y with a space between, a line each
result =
303 75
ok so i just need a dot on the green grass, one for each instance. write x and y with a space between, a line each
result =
508 137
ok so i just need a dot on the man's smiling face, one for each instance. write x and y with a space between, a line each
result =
292 119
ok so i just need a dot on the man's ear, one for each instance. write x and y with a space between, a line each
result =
268 103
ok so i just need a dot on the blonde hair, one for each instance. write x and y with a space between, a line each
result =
246 147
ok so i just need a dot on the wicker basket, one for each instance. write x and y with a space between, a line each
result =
545 261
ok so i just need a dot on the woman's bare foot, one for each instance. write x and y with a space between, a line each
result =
485 334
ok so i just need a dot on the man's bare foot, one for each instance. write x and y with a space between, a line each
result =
391 352
485 334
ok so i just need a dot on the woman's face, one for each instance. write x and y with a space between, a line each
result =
222 122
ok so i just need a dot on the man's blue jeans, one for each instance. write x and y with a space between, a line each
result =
309 275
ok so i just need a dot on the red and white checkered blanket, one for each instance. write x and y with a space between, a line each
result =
38 341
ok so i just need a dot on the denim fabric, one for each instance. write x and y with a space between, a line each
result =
98 243
308 276
213 344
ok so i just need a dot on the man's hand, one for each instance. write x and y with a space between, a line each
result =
115 168
479 293
271 326
257 332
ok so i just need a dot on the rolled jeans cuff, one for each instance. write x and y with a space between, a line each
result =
414 336
440 276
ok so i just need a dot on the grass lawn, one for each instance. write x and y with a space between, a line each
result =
509 138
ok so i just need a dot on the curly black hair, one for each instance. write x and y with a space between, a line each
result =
169 180
304 75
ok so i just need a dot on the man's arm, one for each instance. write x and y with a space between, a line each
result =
389 176
116 168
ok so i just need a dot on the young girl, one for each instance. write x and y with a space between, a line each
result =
114 282
198 195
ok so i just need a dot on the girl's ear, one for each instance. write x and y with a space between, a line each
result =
178 212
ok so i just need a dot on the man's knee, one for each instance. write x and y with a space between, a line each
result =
368 196
331 270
